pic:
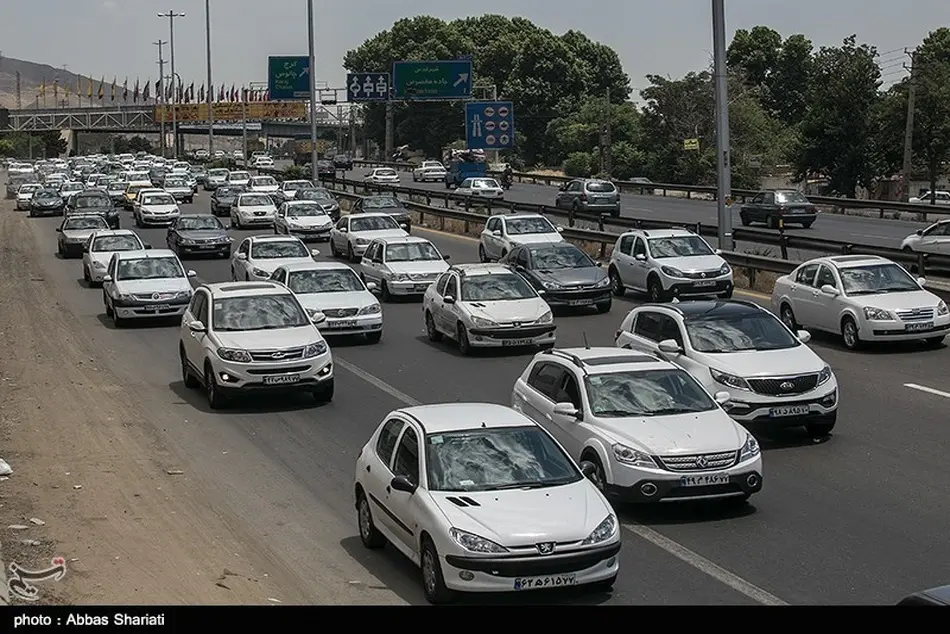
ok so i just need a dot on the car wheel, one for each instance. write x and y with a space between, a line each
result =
85 276
324 393
138 221
186 376
788 317
117 321
369 534
482 256
744 219
216 399
433 583
599 479
108 308
849 332
655 290
333 251
616 284
461 333
934 342
350 254
604 307
384 293
374 337
434 335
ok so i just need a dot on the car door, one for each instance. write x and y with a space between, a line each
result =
108 287
242 266
280 219
377 475
638 266
465 189
801 292
937 240
568 432
754 208
402 505
171 235
194 341
490 241
339 236
447 314
536 400
646 332
371 263
821 310
668 328
623 259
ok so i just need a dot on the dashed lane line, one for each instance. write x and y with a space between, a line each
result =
928 390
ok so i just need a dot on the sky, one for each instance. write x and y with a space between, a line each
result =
664 37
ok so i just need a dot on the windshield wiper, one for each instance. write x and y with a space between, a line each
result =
669 411
618 412
536 484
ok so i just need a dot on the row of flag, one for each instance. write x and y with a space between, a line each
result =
174 92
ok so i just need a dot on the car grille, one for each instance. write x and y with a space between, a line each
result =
700 275
699 462
423 277
916 314
154 297
287 354
784 386
336 313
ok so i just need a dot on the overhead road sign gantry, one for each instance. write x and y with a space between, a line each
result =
439 80
368 87
288 78
489 125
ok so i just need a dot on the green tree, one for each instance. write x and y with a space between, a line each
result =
932 112
581 131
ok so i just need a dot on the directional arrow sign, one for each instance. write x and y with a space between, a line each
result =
432 80
288 78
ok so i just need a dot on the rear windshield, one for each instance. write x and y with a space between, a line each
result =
601 187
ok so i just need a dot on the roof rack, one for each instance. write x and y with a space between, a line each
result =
573 358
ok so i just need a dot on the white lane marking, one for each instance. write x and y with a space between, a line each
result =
928 390
703 565
377 382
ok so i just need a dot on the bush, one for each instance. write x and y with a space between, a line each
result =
578 165
296 172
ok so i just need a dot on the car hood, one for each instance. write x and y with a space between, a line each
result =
309 221
248 209
158 285
80 234
159 209
349 299
536 238
203 234
265 189
519 310
380 233
898 301
272 264
101 257
758 363
177 188
572 277
693 262
422 267
703 432
269 339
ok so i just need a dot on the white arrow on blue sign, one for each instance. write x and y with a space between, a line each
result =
368 87
489 125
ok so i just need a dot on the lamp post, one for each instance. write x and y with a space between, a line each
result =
209 96
251 86
160 97
723 160
171 15
313 94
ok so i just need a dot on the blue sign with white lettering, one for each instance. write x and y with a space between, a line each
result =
288 78
490 125
367 87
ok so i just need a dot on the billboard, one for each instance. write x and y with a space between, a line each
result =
255 110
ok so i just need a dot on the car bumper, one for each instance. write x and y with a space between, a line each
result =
683 288
181 195
638 484
897 330
578 298
22 204
159 309
508 574
408 288
256 220
359 325
608 208
46 211
789 412
96 274
158 220
512 337
794 219
73 248
298 374
204 249
310 234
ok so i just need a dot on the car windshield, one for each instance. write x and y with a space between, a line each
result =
485 183
175 182
411 252
314 194
679 247
295 185
116 243
255 200
149 269
646 393
739 332
324 281
118 186
240 176
73 187
305 209
83 224
560 257
877 279
218 173
523 226
601 188
158 199
386 172
228 192
790 197
29 189
263 181
373 223
380 202
495 287
496 459
47 195
258 312
198 223
268 250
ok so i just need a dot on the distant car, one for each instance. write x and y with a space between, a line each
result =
322 196
289 189
116 190
47 202
584 195
383 176
239 178
263 185
25 194
258 257
404 266
216 177
343 162
98 252
929 198
481 188
432 171
386 204
145 285
198 234
262 162
304 219
223 197
155 208
69 189
75 231
178 187
569 277
326 169
353 233
94 201
780 205
934 240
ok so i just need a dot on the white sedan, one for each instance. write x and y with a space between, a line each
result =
102 245
483 500
305 219
353 233
934 240
155 208
481 188
402 266
429 171
253 209
383 176
942 198
258 257
505 231
263 185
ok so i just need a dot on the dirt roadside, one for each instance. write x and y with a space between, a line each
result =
85 466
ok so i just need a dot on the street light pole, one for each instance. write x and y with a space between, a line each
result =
160 97
313 95
723 160
171 15
209 96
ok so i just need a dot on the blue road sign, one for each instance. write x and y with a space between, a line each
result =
367 87
288 78
432 81
489 125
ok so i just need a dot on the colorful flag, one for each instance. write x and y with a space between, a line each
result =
43 89
56 90
89 88
112 96
221 93
102 88
201 94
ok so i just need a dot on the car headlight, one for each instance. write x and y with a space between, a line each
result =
942 308
551 286
672 272
750 449
97 264
124 297
481 322
603 283
186 241
362 241
314 350
877 314
546 318
627 455
183 294
373 309
825 375
725 269
260 272
400 277
475 544
604 531
234 354
729 380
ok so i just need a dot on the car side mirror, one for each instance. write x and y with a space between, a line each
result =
922 281
722 398
670 346
343 230
641 257
448 299
718 251
196 326
919 232
314 252
147 246
589 469
59 229
496 232
191 274
519 268
560 229
566 409
828 289
106 278
317 317
85 248
402 483
371 286
241 256
804 336
598 263
446 257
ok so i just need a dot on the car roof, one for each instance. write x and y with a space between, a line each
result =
402 239
240 289
601 360
275 238
692 309
316 266
198 216
518 216
85 214
115 232
449 417
659 233
294 201
370 214
148 254
848 261
488 268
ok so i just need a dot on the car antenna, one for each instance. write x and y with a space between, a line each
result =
586 345
484 425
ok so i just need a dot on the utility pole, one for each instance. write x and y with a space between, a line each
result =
389 149
311 46
605 154
352 145
171 15
908 166
160 97
210 97
723 160
19 92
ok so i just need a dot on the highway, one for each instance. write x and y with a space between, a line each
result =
859 518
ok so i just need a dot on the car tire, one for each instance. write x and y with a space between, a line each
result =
482 256
333 252
934 342
616 283
216 400
187 378
599 479
384 293
86 277
604 307
744 219
849 333
431 332
655 290
820 430
350 254
374 337
118 322
461 335
369 534
108 309
787 315
324 393
433 583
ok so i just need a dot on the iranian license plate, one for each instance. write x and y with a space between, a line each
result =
918 327
789 410
579 302
549 581
706 283
421 288
281 379
157 307
705 480
517 342
349 323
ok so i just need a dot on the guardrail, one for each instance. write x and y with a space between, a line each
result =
645 189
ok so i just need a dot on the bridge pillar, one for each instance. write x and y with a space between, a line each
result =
72 141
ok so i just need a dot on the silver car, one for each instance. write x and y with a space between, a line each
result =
75 232
402 266
589 196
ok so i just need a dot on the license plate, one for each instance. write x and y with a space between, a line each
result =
705 480
917 327
350 323
579 302
550 581
706 283
789 410
421 288
281 379
157 307
517 342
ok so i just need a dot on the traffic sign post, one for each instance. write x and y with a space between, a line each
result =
288 78
489 125
367 87
440 80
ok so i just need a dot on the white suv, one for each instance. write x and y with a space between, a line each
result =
245 337
772 376
667 263
648 430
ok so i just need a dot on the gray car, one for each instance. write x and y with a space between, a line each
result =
198 234
225 196
179 188
75 231
584 195
567 276
217 177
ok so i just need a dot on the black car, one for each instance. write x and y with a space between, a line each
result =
223 197
47 202
94 201
200 173
326 169
343 162
567 276
324 197
198 234
779 205
386 204
933 596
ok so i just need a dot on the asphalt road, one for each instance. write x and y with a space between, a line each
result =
858 519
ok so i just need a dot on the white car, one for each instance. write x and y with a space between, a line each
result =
942 198
239 177
934 240
402 266
383 176
217 177
863 298
100 248
145 285
487 306
667 263
262 162
305 219
333 289
429 171
258 257
352 234
253 210
24 195
483 500
773 378
263 185
155 208
245 338
503 232
288 189
481 188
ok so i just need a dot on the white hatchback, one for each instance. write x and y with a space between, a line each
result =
504 232
98 252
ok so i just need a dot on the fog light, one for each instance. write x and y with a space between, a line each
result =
830 400
611 562
325 371
648 489
465 575
752 480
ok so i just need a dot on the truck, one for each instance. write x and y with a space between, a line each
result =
462 164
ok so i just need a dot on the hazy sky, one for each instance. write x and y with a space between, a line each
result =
667 37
